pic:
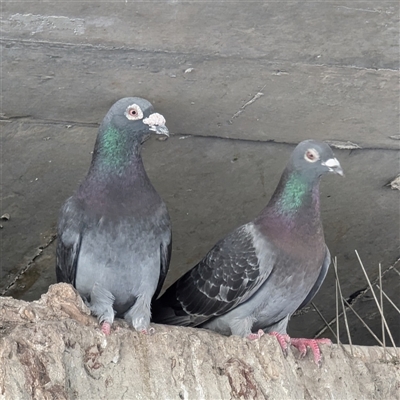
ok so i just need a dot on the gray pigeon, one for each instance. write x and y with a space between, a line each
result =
255 278
114 233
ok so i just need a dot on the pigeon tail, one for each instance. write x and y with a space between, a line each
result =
168 316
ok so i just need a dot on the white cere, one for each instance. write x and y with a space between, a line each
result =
134 112
154 119
311 155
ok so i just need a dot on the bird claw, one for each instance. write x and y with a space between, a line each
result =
302 344
150 331
106 328
283 341
255 336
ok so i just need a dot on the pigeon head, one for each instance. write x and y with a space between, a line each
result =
126 126
298 188
134 117
314 159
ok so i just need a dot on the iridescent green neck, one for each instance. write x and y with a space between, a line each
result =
295 204
293 193
115 150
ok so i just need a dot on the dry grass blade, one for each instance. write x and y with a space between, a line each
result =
367 327
383 325
363 322
343 307
337 310
329 327
376 300
389 299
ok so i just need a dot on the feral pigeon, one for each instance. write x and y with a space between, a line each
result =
114 233
254 279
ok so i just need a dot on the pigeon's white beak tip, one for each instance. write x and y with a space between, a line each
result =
339 171
334 166
160 130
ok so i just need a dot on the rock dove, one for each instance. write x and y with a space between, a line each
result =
255 278
114 233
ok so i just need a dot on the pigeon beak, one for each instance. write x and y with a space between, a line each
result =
160 130
334 166
156 123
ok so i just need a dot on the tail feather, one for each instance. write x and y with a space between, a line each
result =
162 314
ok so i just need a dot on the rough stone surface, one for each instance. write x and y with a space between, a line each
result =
52 349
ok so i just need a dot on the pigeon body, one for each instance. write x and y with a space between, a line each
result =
261 273
114 233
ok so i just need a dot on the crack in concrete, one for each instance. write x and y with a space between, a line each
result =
374 10
6 118
29 119
207 56
39 252
70 124
251 101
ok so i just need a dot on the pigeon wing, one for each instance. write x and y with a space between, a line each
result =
228 275
69 241
165 258
320 280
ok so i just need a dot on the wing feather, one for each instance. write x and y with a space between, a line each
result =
228 275
69 241
320 280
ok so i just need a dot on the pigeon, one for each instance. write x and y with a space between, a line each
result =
114 233
254 279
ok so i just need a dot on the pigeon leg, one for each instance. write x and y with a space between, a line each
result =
255 336
101 305
283 341
301 344
139 315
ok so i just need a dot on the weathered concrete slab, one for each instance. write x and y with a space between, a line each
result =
75 83
331 33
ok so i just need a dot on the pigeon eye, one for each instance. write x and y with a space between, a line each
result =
311 155
133 112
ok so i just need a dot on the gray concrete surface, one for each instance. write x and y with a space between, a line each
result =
265 76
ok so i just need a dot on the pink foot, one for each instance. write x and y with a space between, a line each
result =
151 331
106 328
302 344
255 336
283 340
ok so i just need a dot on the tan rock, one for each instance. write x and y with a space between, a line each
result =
52 349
